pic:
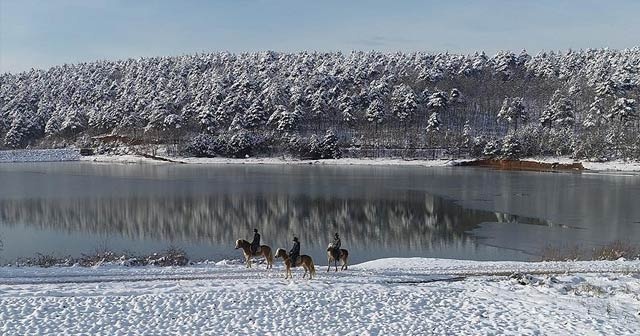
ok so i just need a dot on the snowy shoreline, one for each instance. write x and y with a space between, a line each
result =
386 296
611 166
60 155
269 161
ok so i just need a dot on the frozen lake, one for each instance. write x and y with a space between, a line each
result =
75 208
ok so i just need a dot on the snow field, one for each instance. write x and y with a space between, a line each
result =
39 155
383 297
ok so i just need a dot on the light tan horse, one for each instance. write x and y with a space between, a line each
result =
303 260
263 251
343 257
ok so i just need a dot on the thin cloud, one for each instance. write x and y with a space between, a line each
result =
384 41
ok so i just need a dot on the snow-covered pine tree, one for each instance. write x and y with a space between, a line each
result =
511 148
347 108
20 133
255 116
284 120
376 111
596 115
505 63
491 149
74 122
437 101
404 102
207 119
466 135
227 111
329 146
512 111
559 112
623 111
433 124
53 125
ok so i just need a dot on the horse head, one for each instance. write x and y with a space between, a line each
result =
280 253
238 243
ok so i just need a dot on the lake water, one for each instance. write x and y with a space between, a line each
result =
75 208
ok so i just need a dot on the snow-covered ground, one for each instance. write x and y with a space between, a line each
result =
39 155
413 296
624 166
615 165
270 161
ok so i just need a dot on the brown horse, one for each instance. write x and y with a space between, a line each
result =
263 251
303 260
343 257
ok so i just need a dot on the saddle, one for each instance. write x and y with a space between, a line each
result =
258 250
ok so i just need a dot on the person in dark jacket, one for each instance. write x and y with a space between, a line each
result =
295 251
255 243
336 246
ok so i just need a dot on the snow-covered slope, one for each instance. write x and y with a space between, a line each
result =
413 296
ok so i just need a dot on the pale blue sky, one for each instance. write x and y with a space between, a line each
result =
42 33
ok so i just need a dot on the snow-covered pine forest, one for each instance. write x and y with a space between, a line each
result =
582 104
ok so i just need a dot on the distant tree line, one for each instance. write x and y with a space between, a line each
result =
318 105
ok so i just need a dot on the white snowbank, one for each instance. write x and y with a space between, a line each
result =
39 155
343 161
414 296
120 159
270 161
623 166
615 165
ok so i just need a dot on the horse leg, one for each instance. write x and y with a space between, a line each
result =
328 264
266 259
305 271
287 271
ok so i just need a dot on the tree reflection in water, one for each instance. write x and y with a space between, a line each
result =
409 220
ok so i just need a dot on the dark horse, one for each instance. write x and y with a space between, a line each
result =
264 251
343 257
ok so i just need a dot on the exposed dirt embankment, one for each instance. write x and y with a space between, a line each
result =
524 165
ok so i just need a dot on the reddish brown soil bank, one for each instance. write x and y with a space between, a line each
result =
524 165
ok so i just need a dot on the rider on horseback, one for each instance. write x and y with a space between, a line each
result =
336 246
295 251
255 244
